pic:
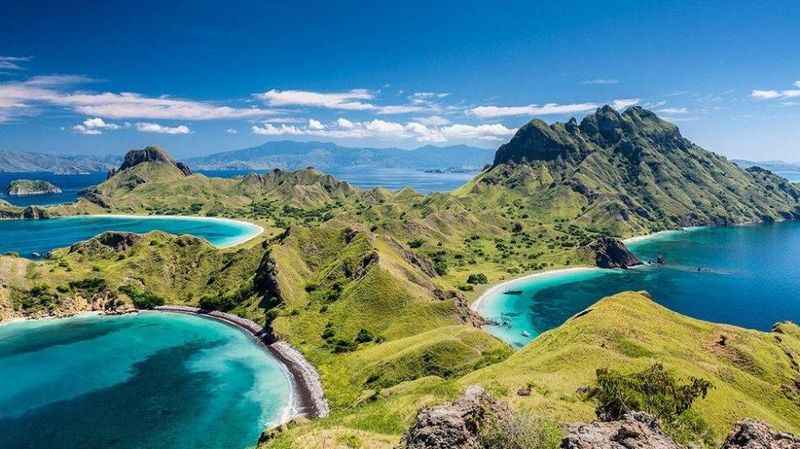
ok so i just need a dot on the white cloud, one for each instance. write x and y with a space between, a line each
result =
94 126
624 103
350 100
401 109
600 81
344 123
50 90
382 129
673 111
231 131
772 94
315 124
268 129
433 120
160 129
11 62
547 109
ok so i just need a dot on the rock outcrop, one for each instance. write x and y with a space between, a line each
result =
635 431
612 253
455 425
35 213
750 434
149 154
28 187
116 241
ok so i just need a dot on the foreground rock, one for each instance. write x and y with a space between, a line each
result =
28 187
635 431
749 434
454 425
612 253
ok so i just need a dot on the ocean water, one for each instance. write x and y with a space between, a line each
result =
70 185
743 275
40 236
150 381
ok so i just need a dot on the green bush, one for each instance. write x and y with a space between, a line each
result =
416 243
520 431
142 299
477 278
364 336
657 392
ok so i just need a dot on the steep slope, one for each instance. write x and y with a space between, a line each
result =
631 173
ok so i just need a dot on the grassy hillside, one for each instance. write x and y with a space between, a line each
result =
754 374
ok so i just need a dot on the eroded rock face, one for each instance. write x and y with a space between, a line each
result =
750 434
454 425
116 241
612 253
635 431
149 154
35 213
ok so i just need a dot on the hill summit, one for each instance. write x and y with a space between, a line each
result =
149 154
633 173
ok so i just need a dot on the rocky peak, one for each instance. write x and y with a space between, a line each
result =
612 253
150 154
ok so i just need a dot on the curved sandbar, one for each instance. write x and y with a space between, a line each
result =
253 230
308 398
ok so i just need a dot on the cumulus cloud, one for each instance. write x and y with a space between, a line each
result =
12 62
160 129
231 131
797 84
16 96
433 120
381 129
547 109
94 126
624 103
600 81
315 124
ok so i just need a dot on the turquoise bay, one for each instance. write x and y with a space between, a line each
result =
40 236
743 275
155 380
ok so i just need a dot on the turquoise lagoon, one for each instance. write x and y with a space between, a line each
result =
156 380
743 275
40 236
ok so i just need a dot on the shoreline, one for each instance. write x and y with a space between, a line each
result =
307 397
476 305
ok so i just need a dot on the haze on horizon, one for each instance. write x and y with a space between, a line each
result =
196 78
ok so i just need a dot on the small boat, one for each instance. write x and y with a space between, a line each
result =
512 292
526 334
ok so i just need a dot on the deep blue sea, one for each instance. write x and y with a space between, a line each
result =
748 276
27 237
69 184
150 381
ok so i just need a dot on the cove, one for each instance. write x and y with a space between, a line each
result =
40 236
153 380
748 276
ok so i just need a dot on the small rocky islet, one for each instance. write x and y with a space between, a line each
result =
31 187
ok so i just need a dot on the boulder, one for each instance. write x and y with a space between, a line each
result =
612 253
635 431
750 434
455 425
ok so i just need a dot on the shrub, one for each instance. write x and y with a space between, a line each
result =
477 278
657 392
364 336
416 243
521 431
142 299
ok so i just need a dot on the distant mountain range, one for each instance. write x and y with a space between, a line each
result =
326 156
24 162
288 155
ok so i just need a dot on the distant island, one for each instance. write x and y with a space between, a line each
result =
29 187
788 170
327 156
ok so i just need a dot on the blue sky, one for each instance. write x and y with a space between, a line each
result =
200 77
